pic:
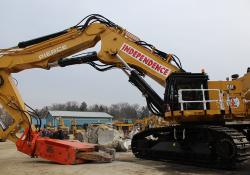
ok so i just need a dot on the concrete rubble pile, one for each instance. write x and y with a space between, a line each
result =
106 136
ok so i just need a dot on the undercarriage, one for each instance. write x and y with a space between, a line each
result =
205 145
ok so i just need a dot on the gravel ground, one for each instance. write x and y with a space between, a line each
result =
13 162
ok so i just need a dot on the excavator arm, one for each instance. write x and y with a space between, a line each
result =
39 55
119 48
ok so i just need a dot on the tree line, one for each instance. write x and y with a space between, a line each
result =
118 110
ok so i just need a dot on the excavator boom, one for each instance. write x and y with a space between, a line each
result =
54 50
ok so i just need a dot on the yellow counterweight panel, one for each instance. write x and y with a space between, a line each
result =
232 96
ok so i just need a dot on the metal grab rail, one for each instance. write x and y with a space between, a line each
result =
248 91
245 100
204 101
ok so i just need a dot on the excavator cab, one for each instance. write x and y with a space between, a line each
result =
184 91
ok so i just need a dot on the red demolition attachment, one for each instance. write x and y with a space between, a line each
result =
61 151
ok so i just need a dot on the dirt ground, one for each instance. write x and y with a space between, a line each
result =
13 162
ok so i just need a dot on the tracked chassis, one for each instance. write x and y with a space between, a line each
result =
206 145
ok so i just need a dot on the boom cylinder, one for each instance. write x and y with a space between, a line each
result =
88 57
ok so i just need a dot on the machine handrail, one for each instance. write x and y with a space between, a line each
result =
204 101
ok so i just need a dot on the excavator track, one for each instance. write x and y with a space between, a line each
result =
203 145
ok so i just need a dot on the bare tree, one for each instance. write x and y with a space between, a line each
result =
83 106
68 106
144 112
72 106
125 110
98 108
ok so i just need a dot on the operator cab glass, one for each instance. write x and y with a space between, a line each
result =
186 87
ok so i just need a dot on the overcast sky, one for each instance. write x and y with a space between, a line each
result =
214 35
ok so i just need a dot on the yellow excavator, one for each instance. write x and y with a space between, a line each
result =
208 120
